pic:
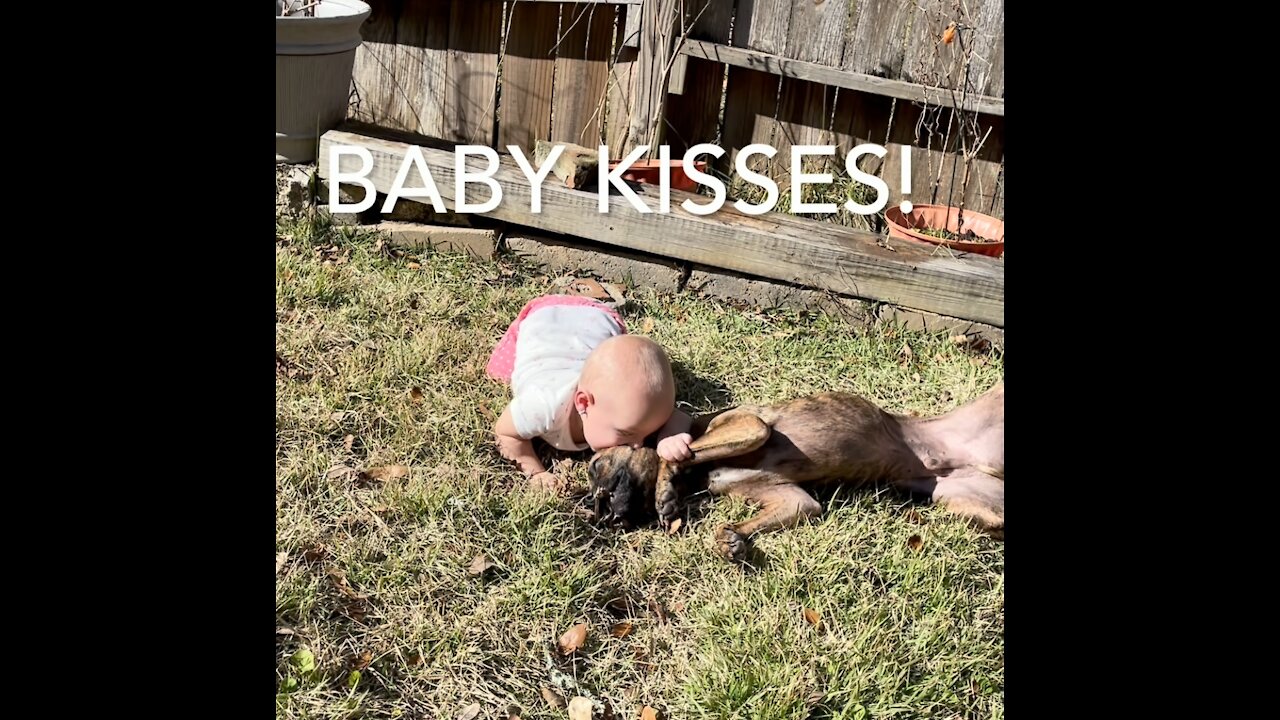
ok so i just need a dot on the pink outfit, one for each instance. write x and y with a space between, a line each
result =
503 359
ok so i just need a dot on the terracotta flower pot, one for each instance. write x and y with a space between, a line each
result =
650 172
907 227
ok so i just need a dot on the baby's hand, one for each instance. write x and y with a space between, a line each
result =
547 481
675 448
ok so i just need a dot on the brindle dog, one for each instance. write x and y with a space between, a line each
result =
769 454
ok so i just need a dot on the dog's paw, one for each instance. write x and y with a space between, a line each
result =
666 502
730 544
667 513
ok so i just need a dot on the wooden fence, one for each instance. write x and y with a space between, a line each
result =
777 72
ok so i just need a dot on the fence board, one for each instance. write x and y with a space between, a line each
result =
371 77
996 73
750 107
852 121
694 114
987 19
818 30
528 71
762 25
816 35
876 45
804 118
617 126
928 60
582 74
475 35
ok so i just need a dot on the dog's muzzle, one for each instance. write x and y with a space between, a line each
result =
619 495
602 510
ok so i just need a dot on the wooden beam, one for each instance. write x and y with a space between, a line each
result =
777 65
775 245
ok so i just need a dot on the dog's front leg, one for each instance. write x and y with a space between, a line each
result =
665 495
784 505
728 435
731 434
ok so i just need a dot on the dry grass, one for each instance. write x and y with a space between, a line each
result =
377 615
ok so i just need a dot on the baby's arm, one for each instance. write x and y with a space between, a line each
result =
515 448
674 437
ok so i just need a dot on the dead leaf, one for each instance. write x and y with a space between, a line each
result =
647 326
949 34
281 557
479 565
315 552
379 508
388 472
283 630
553 698
355 610
621 630
914 542
677 607
487 413
362 660
337 416
675 526
656 608
573 639
369 344
906 351
616 293
648 713
339 579
415 394
586 287
414 659
580 708
347 442
469 712
812 617
513 712
914 517
415 266
288 275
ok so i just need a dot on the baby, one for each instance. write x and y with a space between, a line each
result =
579 381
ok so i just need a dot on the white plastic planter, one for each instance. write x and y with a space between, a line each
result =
314 60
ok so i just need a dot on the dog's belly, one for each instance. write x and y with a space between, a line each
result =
721 481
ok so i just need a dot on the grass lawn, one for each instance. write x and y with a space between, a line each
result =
388 488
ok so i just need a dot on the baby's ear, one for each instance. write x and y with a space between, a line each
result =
582 400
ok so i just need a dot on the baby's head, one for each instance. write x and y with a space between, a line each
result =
626 392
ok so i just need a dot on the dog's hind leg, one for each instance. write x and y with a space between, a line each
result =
784 505
975 495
